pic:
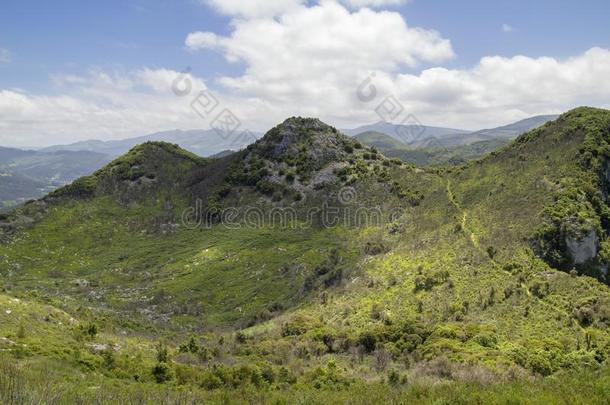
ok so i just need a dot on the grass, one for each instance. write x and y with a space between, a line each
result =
27 383
429 156
433 306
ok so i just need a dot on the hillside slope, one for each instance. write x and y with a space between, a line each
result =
491 272
433 155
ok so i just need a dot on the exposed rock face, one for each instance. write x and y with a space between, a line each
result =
584 248
314 140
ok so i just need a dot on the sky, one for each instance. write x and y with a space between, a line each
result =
78 70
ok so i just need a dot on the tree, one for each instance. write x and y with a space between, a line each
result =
162 373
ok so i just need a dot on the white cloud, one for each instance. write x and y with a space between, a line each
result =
309 61
507 28
253 8
5 56
311 58
162 80
201 40
104 105
498 90
308 39
271 8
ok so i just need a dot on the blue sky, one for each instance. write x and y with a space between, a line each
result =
42 40
73 35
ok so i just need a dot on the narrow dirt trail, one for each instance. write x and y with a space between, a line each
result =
474 240
464 223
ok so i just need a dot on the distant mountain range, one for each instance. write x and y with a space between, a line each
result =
421 136
437 146
201 142
407 133
28 174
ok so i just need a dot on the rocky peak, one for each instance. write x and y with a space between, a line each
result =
308 138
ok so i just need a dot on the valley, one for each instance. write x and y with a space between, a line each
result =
470 287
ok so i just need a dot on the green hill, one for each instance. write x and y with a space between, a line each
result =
311 268
435 155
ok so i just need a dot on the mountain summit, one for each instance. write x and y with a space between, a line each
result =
308 138
147 168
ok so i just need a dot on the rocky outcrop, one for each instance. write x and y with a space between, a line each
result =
584 248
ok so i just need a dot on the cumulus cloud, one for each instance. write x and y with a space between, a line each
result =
499 89
310 60
270 8
507 28
311 39
99 104
312 56
201 40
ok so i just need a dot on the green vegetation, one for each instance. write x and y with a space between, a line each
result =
435 155
469 292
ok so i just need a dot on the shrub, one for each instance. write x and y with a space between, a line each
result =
393 377
21 331
540 289
297 326
374 248
109 359
376 312
162 353
426 282
191 347
90 330
491 252
584 315
240 337
540 364
486 340
210 381
286 376
162 373
328 377
382 358
268 374
368 340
